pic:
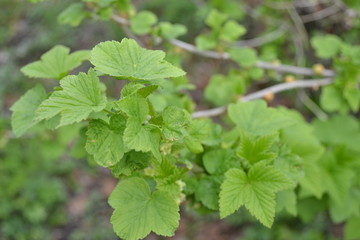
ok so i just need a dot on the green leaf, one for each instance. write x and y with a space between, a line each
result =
256 149
73 15
231 31
139 211
339 130
131 162
144 138
255 118
207 192
142 22
127 60
255 190
286 200
218 161
104 141
81 95
245 57
352 230
331 99
23 117
193 145
326 46
205 42
56 63
175 120
223 90
215 19
171 31
135 106
352 96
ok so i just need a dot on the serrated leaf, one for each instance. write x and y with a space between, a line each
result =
245 57
175 120
144 138
135 106
105 141
72 15
23 117
205 42
255 118
193 145
218 161
81 95
338 130
139 211
207 192
142 22
215 19
231 31
256 149
171 31
127 60
286 200
255 190
131 162
326 46
331 99
56 63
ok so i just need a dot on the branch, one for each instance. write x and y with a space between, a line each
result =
218 55
260 94
324 13
258 41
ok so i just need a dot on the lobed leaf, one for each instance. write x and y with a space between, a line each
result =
81 95
56 63
127 60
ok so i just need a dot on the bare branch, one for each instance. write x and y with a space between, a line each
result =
258 41
260 94
324 13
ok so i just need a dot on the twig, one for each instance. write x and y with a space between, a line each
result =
218 55
313 107
260 94
324 13
258 41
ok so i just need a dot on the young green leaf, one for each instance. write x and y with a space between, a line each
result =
231 31
145 138
105 141
127 60
175 120
171 31
207 191
81 95
73 15
23 117
255 118
245 57
255 190
215 19
218 161
142 22
326 46
256 149
56 63
131 162
135 106
138 211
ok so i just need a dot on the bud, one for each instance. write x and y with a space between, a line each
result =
318 69
269 97
289 78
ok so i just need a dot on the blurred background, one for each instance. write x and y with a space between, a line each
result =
48 188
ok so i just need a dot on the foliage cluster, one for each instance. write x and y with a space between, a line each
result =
268 160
